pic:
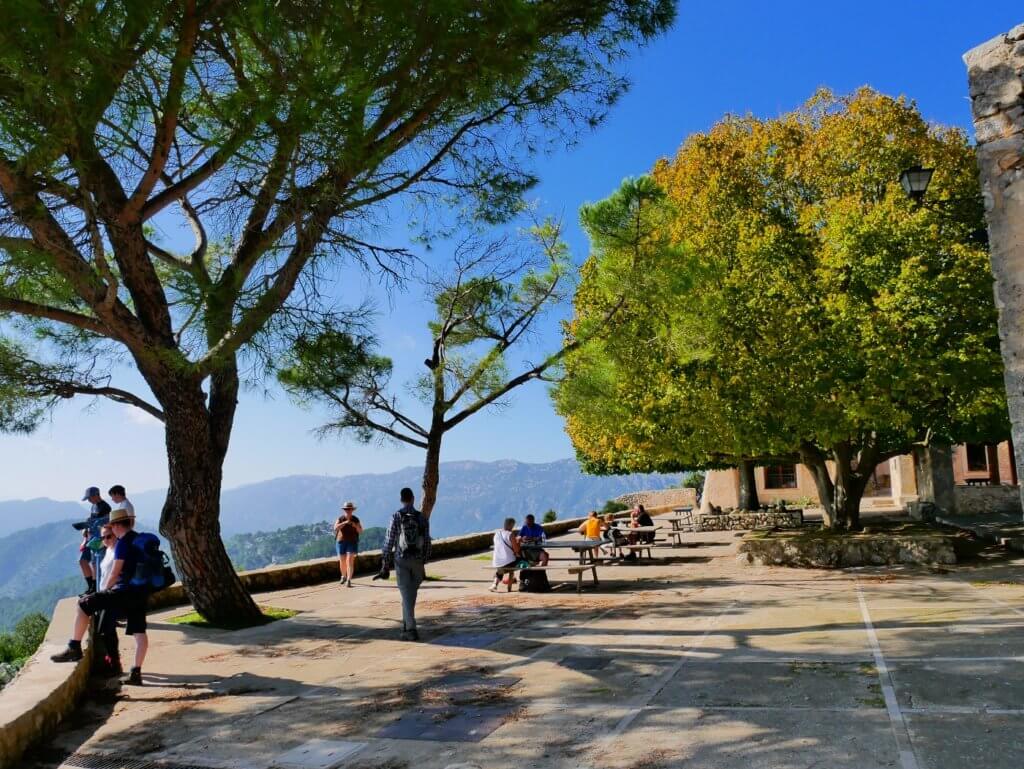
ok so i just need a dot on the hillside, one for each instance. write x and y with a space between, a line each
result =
18 514
295 543
473 496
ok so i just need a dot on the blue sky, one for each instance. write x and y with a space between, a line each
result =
728 56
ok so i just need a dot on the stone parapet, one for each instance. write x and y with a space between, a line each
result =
668 498
985 500
43 693
743 520
832 552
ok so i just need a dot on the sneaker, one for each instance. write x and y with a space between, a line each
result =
134 678
349 583
70 654
342 580
494 588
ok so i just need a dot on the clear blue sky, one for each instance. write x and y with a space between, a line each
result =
734 56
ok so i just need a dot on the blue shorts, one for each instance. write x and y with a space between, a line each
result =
346 547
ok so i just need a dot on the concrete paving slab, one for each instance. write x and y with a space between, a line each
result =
808 684
317 754
691 738
982 685
953 741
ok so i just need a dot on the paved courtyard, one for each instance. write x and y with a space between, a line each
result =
699 662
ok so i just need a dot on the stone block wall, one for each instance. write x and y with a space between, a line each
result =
982 500
667 498
743 520
995 72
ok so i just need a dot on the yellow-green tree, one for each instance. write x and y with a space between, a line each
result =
800 305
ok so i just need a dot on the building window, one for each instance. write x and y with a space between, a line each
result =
977 458
780 477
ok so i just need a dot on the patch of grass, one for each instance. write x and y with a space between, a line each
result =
871 702
481 557
270 614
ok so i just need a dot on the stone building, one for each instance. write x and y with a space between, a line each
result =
984 478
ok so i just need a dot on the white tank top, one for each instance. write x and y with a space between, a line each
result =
503 552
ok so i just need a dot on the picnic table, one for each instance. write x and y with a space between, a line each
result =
681 521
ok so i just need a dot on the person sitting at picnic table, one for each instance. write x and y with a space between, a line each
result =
591 529
532 538
507 551
611 534
643 518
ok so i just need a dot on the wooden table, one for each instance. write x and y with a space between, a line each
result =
682 522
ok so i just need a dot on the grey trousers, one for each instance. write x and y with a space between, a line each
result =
409 575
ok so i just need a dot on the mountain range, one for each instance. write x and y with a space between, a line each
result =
472 496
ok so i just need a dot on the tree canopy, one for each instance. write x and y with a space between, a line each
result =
803 307
276 133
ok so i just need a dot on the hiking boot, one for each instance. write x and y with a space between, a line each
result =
410 635
70 654
134 678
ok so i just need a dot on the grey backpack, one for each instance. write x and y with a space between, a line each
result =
412 536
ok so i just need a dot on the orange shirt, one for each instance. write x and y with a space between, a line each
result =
592 528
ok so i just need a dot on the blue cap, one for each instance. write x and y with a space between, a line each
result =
92 491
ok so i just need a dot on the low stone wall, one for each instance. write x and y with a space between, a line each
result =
662 498
985 500
743 520
315 572
43 693
823 552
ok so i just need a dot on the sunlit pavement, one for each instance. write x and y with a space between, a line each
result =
695 662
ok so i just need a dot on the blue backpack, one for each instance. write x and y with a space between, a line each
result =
153 570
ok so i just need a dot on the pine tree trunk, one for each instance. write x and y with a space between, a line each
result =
197 441
431 475
748 486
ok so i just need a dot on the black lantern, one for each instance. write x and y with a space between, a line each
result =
915 181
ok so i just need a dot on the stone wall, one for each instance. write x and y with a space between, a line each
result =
996 79
667 498
43 693
796 549
741 520
982 500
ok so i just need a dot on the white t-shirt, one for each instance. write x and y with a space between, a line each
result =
503 552
124 504
106 566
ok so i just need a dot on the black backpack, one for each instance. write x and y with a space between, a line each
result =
534 581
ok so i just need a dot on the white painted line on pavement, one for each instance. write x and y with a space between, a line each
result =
892 706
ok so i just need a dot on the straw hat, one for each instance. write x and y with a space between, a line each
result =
348 506
120 516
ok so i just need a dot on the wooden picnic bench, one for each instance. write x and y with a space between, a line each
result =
577 569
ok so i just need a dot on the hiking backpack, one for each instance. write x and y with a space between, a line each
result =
153 570
411 536
534 581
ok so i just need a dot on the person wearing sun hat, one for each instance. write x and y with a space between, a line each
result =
121 599
346 535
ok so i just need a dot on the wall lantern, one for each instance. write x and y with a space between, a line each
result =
915 181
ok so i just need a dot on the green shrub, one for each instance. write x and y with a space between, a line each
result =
550 517
612 506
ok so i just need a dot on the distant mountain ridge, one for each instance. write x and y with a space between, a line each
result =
472 496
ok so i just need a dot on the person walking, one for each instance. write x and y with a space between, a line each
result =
346 535
407 548
88 560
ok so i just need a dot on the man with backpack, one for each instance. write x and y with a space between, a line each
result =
125 598
407 548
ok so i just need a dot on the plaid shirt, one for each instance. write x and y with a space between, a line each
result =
391 540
